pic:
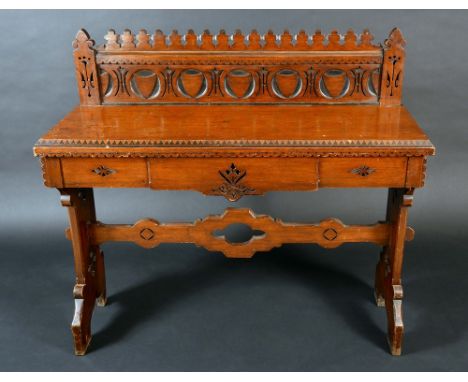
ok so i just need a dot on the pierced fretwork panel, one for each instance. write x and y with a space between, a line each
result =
254 68
305 83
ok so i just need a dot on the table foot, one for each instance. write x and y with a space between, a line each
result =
395 322
81 324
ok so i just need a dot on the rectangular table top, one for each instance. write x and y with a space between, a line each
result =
153 127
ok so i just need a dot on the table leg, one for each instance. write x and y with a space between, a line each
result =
89 264
100 272
380 270
389 291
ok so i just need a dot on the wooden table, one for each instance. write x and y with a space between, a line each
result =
236 120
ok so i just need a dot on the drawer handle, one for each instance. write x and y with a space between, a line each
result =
103 171
363 170
232 188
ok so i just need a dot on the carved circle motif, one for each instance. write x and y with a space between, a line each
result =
334 84
145 84
192 83
330 234
286 83
239 83
146 233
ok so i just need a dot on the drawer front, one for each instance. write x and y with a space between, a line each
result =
234 177
362 172
106 172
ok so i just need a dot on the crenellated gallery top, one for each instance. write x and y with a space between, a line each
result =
238 41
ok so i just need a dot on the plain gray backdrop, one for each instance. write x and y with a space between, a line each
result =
178 307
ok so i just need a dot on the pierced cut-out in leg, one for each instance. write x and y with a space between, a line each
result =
379 293
101 298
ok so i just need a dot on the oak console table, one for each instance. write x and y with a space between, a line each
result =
235 116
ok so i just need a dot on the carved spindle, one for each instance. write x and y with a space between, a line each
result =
191 40
254 40
270 41
207 40
176 40
366 39
238 40
222 40
334 40
317 40
159 40
392 69
128 40
350 39
112 40
143 40
286 40
302 40
86 72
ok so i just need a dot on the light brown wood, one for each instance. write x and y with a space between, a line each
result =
89 264
295 69
329 233
230 178
104 172
362 172
127 129
393 69
388 288
235 116
258 175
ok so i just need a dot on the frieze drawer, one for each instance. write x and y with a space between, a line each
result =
234 177
363 172
105 172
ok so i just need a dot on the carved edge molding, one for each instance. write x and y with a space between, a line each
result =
227 154
237 60
329 233
233 143
253 41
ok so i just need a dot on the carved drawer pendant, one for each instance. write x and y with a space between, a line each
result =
232 188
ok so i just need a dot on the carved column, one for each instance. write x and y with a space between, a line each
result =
393 69
388 288
87 77
89 264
